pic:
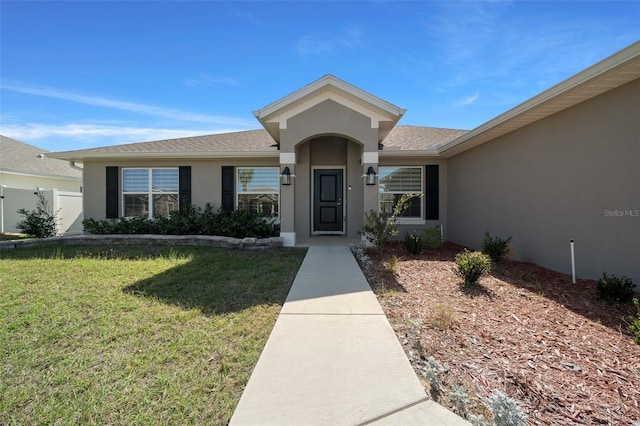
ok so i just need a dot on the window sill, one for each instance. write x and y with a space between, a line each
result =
402 221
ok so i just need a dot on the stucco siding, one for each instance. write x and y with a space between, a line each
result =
558 179
206 179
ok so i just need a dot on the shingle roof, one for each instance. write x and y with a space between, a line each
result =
20 157
411 138
256 141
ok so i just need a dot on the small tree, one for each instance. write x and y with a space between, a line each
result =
380 227
40 222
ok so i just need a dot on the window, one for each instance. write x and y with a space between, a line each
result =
149 192
257 189
394 182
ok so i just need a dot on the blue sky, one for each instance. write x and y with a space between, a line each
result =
75 75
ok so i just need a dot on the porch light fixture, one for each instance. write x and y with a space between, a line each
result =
371 176
286 176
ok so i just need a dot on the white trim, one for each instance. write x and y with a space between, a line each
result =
329 80
344 200
288 239
287 158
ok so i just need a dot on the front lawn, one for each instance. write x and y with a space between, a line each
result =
134 335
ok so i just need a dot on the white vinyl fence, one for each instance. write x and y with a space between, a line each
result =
68 206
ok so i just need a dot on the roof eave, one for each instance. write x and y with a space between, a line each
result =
432 152
608 67
274 153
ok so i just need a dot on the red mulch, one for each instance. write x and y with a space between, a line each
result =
555 347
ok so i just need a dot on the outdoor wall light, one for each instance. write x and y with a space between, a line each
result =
371 176
286 176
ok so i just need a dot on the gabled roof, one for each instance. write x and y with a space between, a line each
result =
614 71
384 115
251 143
21 158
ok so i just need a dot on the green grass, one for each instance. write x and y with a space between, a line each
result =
134 335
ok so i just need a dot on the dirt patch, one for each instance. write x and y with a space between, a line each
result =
555 347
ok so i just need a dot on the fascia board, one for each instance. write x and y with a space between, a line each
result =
165 155
596 72
40 175
328 80
409 153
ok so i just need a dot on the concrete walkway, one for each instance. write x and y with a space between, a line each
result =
333 359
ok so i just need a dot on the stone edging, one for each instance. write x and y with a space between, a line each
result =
149 239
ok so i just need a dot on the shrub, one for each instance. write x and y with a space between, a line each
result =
614 289
495 247
443 317
634 323
506 411
40 222
471 266
380 227
190 221
393 265
431 238
413 242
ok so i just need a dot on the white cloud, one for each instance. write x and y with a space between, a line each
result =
203 79
468 100
126 106
326 44
96 134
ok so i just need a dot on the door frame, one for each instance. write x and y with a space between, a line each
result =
344 200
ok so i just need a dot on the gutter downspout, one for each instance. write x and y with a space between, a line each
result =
72 164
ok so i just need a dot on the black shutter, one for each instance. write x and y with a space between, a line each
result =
184 182
228 186
112 192
432 192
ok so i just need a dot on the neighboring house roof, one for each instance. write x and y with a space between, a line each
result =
21 158
251 142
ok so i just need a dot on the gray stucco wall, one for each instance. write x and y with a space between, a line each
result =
574 175
206 179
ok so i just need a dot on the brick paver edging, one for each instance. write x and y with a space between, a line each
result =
149 239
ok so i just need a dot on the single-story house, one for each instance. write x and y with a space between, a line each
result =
25 168
563 165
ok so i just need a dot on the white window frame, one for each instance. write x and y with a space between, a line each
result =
238 192
406 220
149 193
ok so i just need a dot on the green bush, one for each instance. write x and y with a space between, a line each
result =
634 323
413 242
471 266
495 247
190 221
40 222
380 227
431 238
614 289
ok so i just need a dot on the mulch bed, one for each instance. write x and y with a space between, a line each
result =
555 347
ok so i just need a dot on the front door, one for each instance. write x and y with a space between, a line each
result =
327 201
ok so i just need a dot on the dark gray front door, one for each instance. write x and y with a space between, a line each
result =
327 200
